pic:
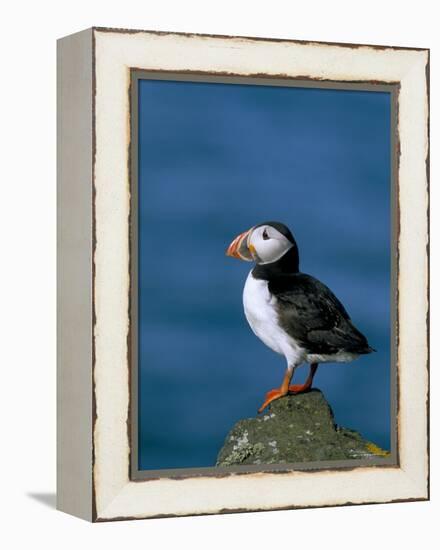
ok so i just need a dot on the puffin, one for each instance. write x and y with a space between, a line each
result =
291 312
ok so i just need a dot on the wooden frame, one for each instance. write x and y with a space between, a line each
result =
96 478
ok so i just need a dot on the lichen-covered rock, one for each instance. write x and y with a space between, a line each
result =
295 428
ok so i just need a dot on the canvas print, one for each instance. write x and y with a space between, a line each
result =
264 292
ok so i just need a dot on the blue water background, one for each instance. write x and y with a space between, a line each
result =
214 160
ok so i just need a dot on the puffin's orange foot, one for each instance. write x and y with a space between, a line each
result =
272 395
299 388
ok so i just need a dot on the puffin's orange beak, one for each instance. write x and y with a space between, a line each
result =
239 247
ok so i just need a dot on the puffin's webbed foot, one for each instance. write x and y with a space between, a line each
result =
272 395
300 388
285 388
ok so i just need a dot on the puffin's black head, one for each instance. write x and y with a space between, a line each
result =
264 243
281 228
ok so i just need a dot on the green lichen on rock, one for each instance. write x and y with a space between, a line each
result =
296 428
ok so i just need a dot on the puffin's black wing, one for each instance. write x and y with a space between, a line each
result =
312 315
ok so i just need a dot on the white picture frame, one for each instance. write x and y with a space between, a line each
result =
95 479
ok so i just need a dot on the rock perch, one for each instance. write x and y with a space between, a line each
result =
295 428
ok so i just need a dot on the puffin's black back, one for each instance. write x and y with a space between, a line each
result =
308 310
311 314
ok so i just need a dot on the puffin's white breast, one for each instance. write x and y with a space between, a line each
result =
260 310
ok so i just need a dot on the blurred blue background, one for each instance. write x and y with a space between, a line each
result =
214 160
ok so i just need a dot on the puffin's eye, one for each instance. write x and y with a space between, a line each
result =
265 235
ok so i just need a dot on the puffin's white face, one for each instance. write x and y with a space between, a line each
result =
267 245
262 244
